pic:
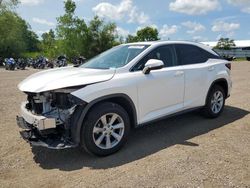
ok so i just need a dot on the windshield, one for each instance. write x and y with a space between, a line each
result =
115 57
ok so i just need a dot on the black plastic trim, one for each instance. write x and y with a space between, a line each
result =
170 115
82 112
213 83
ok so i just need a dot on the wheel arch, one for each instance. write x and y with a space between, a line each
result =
122 99
221 82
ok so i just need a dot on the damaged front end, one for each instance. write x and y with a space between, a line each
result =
46 118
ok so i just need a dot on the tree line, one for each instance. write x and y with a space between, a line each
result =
72 36
16 36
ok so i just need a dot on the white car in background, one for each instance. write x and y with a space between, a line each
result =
95 105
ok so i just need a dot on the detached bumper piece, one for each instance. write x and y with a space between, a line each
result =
35 138
22 123
38 121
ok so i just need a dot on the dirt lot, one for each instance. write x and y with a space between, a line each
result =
183 151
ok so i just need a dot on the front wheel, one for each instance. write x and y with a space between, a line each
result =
215 102
105 129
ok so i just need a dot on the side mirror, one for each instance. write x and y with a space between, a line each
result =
153 64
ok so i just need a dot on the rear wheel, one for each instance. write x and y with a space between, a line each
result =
215 102
105 129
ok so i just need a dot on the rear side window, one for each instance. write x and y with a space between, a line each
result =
190 54
165 53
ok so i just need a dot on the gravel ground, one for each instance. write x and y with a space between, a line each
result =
183 151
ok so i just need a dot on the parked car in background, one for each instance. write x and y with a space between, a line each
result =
96 105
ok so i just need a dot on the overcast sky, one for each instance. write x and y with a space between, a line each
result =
203 20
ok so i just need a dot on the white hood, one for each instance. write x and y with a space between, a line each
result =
64 77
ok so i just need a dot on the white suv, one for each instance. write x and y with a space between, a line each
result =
95 105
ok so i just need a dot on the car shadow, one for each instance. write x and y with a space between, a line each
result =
142 142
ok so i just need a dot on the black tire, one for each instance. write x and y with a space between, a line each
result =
93 117
208 108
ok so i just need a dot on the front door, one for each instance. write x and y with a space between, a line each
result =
161 91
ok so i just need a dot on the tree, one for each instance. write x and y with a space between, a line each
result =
31 40
77 38
48 44
71 31
29 37
15 35
225 44
145 34
148 34
100 37
131 38
8 4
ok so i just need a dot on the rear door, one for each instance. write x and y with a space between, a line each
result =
194 62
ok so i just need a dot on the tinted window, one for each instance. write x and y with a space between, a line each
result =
164 53
189 54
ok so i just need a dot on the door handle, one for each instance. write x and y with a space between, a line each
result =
211 68
179 73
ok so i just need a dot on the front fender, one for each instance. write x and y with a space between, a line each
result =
82 110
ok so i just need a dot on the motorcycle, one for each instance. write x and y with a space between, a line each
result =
49 64
79 61
10 64
29 62
61 61
39 63
21 64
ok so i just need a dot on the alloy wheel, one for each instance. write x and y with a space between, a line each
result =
217 102
108 131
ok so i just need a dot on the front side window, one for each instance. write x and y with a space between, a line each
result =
116 57
164 53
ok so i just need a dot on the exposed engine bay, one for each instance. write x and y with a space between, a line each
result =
51 105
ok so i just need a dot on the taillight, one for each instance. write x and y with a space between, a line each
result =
228 65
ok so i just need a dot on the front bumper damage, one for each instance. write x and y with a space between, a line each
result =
38 121
41 131
34 137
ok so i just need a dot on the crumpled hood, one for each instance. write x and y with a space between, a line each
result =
64 77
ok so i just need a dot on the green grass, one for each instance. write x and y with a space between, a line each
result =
241 59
